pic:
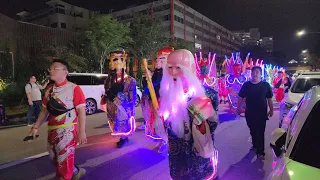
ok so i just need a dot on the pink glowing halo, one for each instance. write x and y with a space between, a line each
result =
132 128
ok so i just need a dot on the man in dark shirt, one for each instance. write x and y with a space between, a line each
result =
258 95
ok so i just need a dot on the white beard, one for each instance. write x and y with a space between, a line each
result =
174 101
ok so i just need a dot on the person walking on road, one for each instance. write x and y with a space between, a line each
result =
258 95
64 107
34 99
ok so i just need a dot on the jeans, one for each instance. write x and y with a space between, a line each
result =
33 111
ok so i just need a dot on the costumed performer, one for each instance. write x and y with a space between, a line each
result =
153 129
207 72
235 80
64 109
120 97
190 120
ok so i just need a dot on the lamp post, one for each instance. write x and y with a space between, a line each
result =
303 32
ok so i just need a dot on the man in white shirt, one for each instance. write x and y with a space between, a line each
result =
34 98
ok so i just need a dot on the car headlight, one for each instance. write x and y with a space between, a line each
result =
288 105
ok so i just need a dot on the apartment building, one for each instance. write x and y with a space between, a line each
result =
58 14
186 24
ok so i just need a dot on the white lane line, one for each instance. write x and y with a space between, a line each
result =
100 160
14 163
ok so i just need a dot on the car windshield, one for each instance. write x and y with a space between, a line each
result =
303 85
307 147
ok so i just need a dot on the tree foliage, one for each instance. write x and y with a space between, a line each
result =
6 66
181 44
147 38
104 35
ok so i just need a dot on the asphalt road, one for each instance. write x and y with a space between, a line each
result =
137 160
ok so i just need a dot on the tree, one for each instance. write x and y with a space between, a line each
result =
147 38
181 44
104 35
6 66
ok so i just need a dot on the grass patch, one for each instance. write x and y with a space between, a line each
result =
21 109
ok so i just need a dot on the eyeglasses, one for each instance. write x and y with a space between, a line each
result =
55 69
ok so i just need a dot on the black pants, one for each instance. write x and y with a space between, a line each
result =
257 128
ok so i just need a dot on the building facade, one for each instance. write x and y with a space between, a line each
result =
184 23
58 14
252 38
23 37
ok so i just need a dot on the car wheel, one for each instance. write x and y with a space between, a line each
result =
91 106
137 101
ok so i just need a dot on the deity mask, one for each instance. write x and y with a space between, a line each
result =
117 60
162 56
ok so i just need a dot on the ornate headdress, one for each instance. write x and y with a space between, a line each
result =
206 68
233 61
120 54
165 51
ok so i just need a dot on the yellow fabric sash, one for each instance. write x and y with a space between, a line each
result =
61 126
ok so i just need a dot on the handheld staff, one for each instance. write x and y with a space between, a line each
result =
150 86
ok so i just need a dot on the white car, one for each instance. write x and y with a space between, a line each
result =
297 150
302 84
92 85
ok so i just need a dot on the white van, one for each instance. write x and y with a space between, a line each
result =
92 85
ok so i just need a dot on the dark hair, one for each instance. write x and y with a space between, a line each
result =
63 62
280 72
256 67
32 75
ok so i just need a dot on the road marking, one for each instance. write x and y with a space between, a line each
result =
17 162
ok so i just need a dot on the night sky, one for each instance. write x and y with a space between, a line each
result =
278 18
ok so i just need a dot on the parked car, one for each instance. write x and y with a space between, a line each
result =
302 84
92 85
297 149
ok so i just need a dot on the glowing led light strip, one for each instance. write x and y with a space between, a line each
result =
206 83
214 161
152 137
132 128
213 59
231 102
235 79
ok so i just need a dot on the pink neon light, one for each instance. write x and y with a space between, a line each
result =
132 128
196 60
214 161
213 59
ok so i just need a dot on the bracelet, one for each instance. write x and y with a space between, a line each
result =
34 128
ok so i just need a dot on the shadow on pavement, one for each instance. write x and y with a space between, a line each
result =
246 169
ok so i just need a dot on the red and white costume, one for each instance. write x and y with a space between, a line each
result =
63 129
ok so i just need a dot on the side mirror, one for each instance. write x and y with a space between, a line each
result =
278 140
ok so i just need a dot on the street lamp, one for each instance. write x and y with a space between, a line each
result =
303 32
